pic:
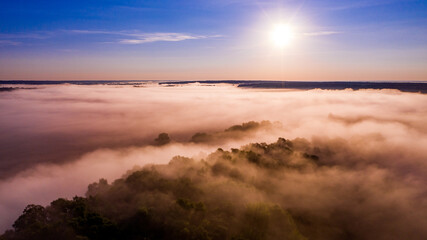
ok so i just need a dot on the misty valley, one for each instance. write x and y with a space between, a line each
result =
213 120
212 161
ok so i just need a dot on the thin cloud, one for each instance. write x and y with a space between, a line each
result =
157 37
16 39
139 38
321 33
9 43
77 31
139 9
363 4
35 35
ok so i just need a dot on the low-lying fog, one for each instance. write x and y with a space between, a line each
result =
55 140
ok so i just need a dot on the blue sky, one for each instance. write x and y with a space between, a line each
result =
335 40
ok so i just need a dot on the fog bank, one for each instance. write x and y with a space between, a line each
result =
55 140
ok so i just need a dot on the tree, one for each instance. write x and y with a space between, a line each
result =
162 139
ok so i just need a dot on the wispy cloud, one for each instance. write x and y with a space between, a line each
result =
78 31
9 43
362 4
321 33
119 37
21 38
140 38
157 37
34 35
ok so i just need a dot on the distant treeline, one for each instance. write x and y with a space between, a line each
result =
303 85
402 86
75 82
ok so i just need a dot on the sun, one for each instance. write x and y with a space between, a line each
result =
282 35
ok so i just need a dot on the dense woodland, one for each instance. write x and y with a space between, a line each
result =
185 199
295 189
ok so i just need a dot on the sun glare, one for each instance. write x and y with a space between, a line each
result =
282 35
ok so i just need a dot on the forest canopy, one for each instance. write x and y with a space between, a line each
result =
185 199
287 189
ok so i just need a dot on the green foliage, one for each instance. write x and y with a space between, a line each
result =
97 188
188 205
184 199
263 221
63 219
244 127
162 139
201 137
